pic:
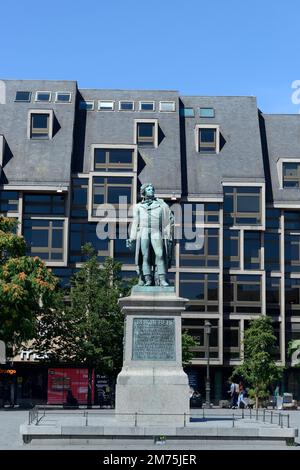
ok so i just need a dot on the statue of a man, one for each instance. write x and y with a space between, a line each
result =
153 231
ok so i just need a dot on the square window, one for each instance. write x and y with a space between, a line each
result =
146 134
117 191
86 105
207 140
39 126
43 96
291 174
126 106
147 106
243 205
187 112
207 112
106 105
24 96
167 106
63 97
45 238
113 159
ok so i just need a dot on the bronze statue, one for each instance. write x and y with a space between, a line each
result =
153 232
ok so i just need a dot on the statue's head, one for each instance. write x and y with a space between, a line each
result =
147 190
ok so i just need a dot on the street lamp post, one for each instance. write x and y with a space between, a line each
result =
207 330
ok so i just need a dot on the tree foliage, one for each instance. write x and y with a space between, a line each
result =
90 329
188 343
259 370
27 288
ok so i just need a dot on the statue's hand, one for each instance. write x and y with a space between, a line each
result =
130 244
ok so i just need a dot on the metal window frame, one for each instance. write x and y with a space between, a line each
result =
106 109
280 163
23 101
44 92
81 185
63 93
205 256
105 168
146 110
205 301
50 114
63 250
234 303
92 102
154 139
206 117
238 238
51 204
162 102
107 174
198 128
83 226
127 101
237 184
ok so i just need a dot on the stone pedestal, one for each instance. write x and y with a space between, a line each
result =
152 388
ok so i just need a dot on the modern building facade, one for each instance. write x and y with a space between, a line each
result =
230 172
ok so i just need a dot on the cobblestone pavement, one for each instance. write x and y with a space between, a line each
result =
10 420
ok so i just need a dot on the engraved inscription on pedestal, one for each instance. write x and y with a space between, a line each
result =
153 339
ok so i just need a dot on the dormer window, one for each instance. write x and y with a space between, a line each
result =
207 138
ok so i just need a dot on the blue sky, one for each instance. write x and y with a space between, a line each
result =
216 47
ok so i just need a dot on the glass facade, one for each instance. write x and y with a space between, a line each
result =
235 258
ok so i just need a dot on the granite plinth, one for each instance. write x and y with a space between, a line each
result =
152 382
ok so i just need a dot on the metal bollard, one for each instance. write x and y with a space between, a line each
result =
271 417
279 419
250 413
86 418
184 420
135 419
242 413
264 415
288 421
233 420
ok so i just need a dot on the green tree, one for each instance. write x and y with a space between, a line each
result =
188 343
294 350
259 370
27 288
90 329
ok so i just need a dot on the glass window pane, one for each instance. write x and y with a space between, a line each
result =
63 97
207 112
121 156
40 121
23 96
106 105
247 203
100 156
43 96
57 239
167 106
114 193
146 106
187 112
126 105
207 135
145 129
86 105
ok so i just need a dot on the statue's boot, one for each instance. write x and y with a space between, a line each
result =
148 280
162 280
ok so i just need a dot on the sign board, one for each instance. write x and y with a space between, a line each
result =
153 339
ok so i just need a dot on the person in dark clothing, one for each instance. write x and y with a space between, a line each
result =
70 399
